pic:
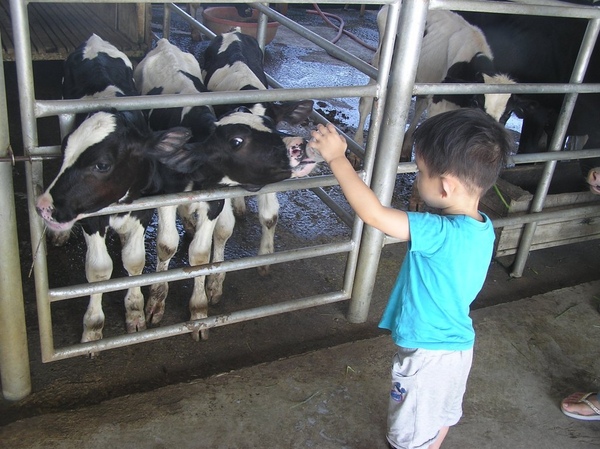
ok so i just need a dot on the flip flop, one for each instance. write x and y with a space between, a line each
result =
584 400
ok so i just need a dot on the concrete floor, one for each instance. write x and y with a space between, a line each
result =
529 354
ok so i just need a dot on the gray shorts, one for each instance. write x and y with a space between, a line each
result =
426 395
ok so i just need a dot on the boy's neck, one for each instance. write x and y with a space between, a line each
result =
468 206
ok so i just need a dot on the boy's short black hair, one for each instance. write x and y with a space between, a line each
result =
466 143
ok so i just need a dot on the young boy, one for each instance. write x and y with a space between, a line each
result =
459 155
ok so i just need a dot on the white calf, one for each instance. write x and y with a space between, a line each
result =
452 51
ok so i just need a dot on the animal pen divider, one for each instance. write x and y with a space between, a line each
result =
394 88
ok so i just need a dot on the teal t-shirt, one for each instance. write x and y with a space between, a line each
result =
444 269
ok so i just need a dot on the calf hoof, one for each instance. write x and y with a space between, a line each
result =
136 324
154 311
91 335
214 299
200 335
264 270
214 288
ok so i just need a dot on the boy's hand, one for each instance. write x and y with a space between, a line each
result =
328 142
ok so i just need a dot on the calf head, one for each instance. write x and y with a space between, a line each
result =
593 180
245 149
478 70
97 68
234 61
104 162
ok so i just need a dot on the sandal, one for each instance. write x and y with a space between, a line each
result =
584 399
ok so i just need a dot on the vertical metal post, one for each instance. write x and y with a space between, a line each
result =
397 106
261 30
556 144
166 21
14 355
33 170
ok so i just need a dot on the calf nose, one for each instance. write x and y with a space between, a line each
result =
313 154
45 207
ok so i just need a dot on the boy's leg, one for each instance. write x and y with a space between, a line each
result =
426 395
440 438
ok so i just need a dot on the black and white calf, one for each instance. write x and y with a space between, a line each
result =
543 49
114 157
452 51
168 70
90 180
234 61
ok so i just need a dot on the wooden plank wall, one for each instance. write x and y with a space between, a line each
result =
56 29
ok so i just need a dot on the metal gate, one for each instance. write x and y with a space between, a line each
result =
393 88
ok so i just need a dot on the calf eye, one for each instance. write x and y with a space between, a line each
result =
102 167
236 142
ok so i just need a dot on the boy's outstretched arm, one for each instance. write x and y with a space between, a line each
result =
332 147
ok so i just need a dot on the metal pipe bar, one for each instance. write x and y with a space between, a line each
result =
177 274
546 8
412 23
166 21
575 212
261 29
293 305
46 108
553 156
14 355
335 207
54 152
323 43
518 88
570 213
386 55
190 20
176 199
33 170
538 8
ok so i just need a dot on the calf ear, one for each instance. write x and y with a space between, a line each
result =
292 112
168 147
522 107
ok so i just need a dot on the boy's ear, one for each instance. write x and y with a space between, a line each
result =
449 184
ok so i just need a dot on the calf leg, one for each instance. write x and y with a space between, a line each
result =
268 211
188 218
133 254
98 267
365 105
239 206
167 240
420 106
199 254
222 233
